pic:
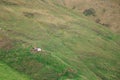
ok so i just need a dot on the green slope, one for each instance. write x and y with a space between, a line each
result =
6 73
73 47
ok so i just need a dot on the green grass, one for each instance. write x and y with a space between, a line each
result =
7 73
74 47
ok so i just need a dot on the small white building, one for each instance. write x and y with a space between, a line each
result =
38 49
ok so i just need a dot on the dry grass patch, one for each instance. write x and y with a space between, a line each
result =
5 43
12 2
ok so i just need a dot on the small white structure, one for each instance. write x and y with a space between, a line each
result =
37 49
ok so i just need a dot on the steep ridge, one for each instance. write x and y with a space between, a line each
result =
73 47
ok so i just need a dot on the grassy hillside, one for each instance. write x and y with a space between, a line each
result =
7 73
106 12
73 48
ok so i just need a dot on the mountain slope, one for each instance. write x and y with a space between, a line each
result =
72 46
106 12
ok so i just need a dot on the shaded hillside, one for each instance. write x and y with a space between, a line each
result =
73 47
106 12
